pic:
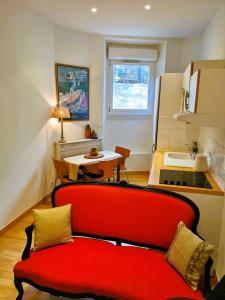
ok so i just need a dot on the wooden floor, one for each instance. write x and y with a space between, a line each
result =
12 243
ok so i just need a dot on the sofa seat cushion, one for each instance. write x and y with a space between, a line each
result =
93 266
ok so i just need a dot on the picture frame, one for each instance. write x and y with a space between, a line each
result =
72 90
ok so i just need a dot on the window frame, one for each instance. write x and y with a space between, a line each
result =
149 109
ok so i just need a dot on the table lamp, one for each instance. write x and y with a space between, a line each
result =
61 113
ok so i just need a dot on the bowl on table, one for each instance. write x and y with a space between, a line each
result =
94 152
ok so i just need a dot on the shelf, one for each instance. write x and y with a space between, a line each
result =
206 120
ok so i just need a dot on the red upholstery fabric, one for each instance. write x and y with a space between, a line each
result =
130 214
93 266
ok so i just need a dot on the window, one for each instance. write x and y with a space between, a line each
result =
130 87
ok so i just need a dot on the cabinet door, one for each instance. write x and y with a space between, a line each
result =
200 65
191 105
187 78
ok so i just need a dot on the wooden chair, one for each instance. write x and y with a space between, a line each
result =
105 170
125 154
62 171
91 171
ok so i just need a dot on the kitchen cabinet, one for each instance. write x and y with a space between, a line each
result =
204 105
168 99
207 92
200 65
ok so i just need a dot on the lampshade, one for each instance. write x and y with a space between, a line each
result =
61 112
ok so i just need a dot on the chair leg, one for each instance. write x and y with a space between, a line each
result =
19 287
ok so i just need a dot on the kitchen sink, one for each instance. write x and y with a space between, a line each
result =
176 155
178 159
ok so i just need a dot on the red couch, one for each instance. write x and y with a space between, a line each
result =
91 266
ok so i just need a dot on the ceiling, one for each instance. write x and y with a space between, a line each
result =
166 18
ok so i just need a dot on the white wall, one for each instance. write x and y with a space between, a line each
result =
98 81
132 132
180 52
161 62
190 50
81 49
27 88
72 47
213 41
173 55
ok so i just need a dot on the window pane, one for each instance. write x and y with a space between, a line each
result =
130 86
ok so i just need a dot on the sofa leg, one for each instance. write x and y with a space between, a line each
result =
19 287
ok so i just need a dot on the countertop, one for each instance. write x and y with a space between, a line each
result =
158 163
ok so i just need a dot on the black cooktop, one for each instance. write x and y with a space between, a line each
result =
184 178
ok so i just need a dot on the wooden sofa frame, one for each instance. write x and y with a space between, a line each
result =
18 281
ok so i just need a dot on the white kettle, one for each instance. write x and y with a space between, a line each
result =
201 163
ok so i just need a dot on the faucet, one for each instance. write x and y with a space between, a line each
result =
193 155
192 151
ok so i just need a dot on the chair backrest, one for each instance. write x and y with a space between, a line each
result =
123 151
107 166
60 168
92 167
128 213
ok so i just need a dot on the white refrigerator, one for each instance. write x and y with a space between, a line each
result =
168 99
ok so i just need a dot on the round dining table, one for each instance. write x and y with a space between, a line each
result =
80 160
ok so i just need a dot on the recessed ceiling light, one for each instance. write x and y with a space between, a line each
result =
147 6
94 9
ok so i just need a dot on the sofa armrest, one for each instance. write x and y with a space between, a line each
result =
26 251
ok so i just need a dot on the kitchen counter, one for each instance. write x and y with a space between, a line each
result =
158 164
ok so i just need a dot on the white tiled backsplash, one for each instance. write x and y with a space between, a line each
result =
174 135
179 136
212 142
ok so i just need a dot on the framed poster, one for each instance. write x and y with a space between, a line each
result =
72 90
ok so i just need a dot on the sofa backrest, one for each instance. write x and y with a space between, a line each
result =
126 213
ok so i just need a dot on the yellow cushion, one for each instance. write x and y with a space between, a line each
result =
52 226
188 255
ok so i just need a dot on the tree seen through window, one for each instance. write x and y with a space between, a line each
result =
130 86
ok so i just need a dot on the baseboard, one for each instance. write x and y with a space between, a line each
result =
18 218
139 162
